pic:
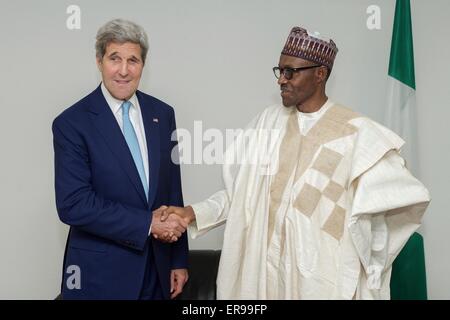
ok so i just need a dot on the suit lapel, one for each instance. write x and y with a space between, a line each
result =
152 136
107 126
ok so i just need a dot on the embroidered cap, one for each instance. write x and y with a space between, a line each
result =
310 47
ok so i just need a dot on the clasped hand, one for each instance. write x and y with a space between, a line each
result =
168 225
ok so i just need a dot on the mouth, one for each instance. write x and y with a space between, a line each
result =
284 93
122 82
284 89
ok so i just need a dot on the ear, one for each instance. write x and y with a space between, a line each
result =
321 74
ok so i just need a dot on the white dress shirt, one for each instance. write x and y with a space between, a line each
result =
307 120
136 121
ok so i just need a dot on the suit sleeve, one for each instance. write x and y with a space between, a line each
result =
77 202
180 249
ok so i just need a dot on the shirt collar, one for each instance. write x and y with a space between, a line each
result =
114 103
318 113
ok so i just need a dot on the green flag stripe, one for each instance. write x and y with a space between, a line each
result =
401 62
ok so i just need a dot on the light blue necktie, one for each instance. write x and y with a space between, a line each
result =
133 144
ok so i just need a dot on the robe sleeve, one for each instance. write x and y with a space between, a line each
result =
209 213
388 206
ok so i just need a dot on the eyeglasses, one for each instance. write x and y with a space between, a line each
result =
288 72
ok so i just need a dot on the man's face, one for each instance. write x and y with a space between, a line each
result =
121 69
302 86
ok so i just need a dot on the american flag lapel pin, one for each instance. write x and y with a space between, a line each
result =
155 120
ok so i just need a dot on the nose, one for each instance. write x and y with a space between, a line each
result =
282 79
123 71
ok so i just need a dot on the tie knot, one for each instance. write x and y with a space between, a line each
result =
126 107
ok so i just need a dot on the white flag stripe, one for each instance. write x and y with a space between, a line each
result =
401 118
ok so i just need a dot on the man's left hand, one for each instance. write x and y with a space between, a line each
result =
178 278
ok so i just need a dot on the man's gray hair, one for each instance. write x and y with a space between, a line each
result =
121 31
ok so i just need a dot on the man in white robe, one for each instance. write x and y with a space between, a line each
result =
319 210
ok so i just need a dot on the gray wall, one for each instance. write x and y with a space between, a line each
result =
212 61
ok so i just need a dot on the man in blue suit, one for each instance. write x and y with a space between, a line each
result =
113 167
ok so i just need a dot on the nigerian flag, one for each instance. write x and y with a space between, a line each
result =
401 113
401 117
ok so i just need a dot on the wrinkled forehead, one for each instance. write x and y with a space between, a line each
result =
293 62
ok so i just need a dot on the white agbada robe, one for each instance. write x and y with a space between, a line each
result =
317 206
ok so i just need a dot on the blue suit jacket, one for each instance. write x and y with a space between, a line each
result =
100 195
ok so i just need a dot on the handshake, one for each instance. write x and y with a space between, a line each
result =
169 223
